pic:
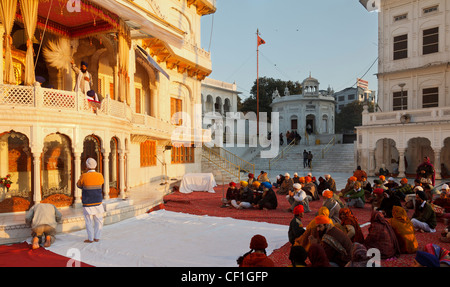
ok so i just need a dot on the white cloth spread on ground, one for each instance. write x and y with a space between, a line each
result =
198 182
170 239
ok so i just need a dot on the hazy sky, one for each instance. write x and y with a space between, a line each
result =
335 40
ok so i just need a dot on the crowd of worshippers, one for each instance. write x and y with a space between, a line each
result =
334 236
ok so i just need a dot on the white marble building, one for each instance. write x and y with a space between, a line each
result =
146 62
413 84
314 108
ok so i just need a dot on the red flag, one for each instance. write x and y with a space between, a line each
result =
260 41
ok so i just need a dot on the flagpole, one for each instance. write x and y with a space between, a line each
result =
257 83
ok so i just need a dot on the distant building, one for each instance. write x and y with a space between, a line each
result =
313 110
349 95
413 90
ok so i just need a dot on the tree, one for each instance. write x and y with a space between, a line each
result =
266 88
351 116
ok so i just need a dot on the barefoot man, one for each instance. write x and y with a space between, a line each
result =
43 219
91 183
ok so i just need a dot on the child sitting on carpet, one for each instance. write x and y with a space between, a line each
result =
257 256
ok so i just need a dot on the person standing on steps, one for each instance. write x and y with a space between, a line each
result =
92 196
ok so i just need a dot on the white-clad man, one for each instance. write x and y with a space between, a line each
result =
92 196
298 196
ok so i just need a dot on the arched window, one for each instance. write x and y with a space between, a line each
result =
56 170
15 164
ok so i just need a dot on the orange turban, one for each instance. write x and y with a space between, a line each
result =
302 180
327 193
256 184
308 179
322 219
404 180
382 177
353 178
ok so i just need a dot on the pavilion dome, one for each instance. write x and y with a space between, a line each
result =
310 84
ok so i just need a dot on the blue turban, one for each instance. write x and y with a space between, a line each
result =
426 259
91 93
267 184
40 79
84 63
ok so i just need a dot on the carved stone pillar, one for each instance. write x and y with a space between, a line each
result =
106 174
122 174
77 173
37 197
437 163
372 162
401 163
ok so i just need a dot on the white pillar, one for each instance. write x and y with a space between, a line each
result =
122 174
37 197
437 163
77 173
372 162
401 163
106 173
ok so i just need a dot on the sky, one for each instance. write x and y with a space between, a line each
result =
334 40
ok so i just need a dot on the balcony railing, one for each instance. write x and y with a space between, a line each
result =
406 116
60 100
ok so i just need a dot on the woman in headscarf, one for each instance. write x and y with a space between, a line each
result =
359 256
303 240
426 170
404 230
350 225
317 256
382 236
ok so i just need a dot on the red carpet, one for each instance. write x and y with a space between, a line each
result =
204 203
21 255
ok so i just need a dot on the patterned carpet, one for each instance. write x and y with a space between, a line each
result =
204 203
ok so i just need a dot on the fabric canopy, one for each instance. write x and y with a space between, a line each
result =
8 12
151 61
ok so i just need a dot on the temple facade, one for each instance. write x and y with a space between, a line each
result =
412 121
310 114
146 66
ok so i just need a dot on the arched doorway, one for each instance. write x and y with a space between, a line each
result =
92 148
114 184
15 164
418 148
310 124
445 159
386 154
57 184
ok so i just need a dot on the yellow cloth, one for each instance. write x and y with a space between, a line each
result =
404 230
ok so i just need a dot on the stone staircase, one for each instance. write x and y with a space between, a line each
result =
339 158
220 175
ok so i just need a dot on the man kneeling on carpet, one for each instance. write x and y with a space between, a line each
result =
92 196
43 219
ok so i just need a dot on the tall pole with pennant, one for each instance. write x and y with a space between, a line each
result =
259 42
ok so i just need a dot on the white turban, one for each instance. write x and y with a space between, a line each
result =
445 186
286 174
91 163
297 186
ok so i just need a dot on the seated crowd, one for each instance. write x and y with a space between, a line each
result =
334 236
